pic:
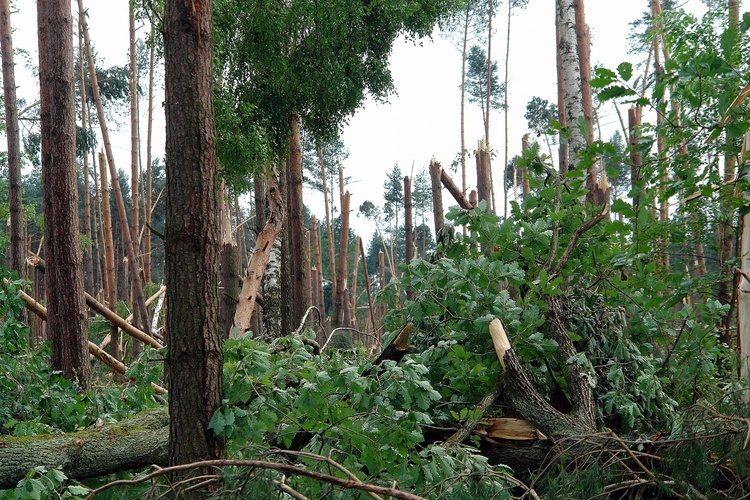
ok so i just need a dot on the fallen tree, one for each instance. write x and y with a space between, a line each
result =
133 443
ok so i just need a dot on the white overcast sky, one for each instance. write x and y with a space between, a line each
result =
423 119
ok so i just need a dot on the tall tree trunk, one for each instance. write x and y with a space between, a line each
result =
463 105
88 259
525 189
298 259
340 298
135 173
572 98
505 118
17 240
65 300
437 196
194 348
110 283
139 300
329 232
149 177
491 199
561 113
743 295
260 207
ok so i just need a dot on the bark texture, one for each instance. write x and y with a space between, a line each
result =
299 260
194 349
131 444
17 240
570 80
65 302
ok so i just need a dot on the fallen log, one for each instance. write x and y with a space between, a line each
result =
40 311
133 443
107 313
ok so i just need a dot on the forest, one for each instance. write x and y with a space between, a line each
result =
571 320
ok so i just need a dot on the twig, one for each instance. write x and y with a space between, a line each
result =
346 328
328 460
746 421
260 464
577 235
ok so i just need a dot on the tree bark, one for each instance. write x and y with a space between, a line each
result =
132 444
194 349
65 301
437 196
454 191
110 284
297 258
483 174
340 298
17 240
139 300
329 232
230 278
264 244
135 175
569 81
149 178
88 258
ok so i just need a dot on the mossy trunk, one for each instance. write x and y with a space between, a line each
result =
134 443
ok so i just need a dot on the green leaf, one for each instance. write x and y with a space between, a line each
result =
626 70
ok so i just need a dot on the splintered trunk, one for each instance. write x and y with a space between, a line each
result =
437 196
65 300
265 261
408 225
229 265
110 283
340 300
139 301
17 239
483 173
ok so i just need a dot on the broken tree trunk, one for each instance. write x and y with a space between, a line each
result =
108 314
483 174
457 194
437 195
119 367
134 443
263 245
340 302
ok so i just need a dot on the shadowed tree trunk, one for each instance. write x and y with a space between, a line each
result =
17 240
88 258
329 232
65 301
194 349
